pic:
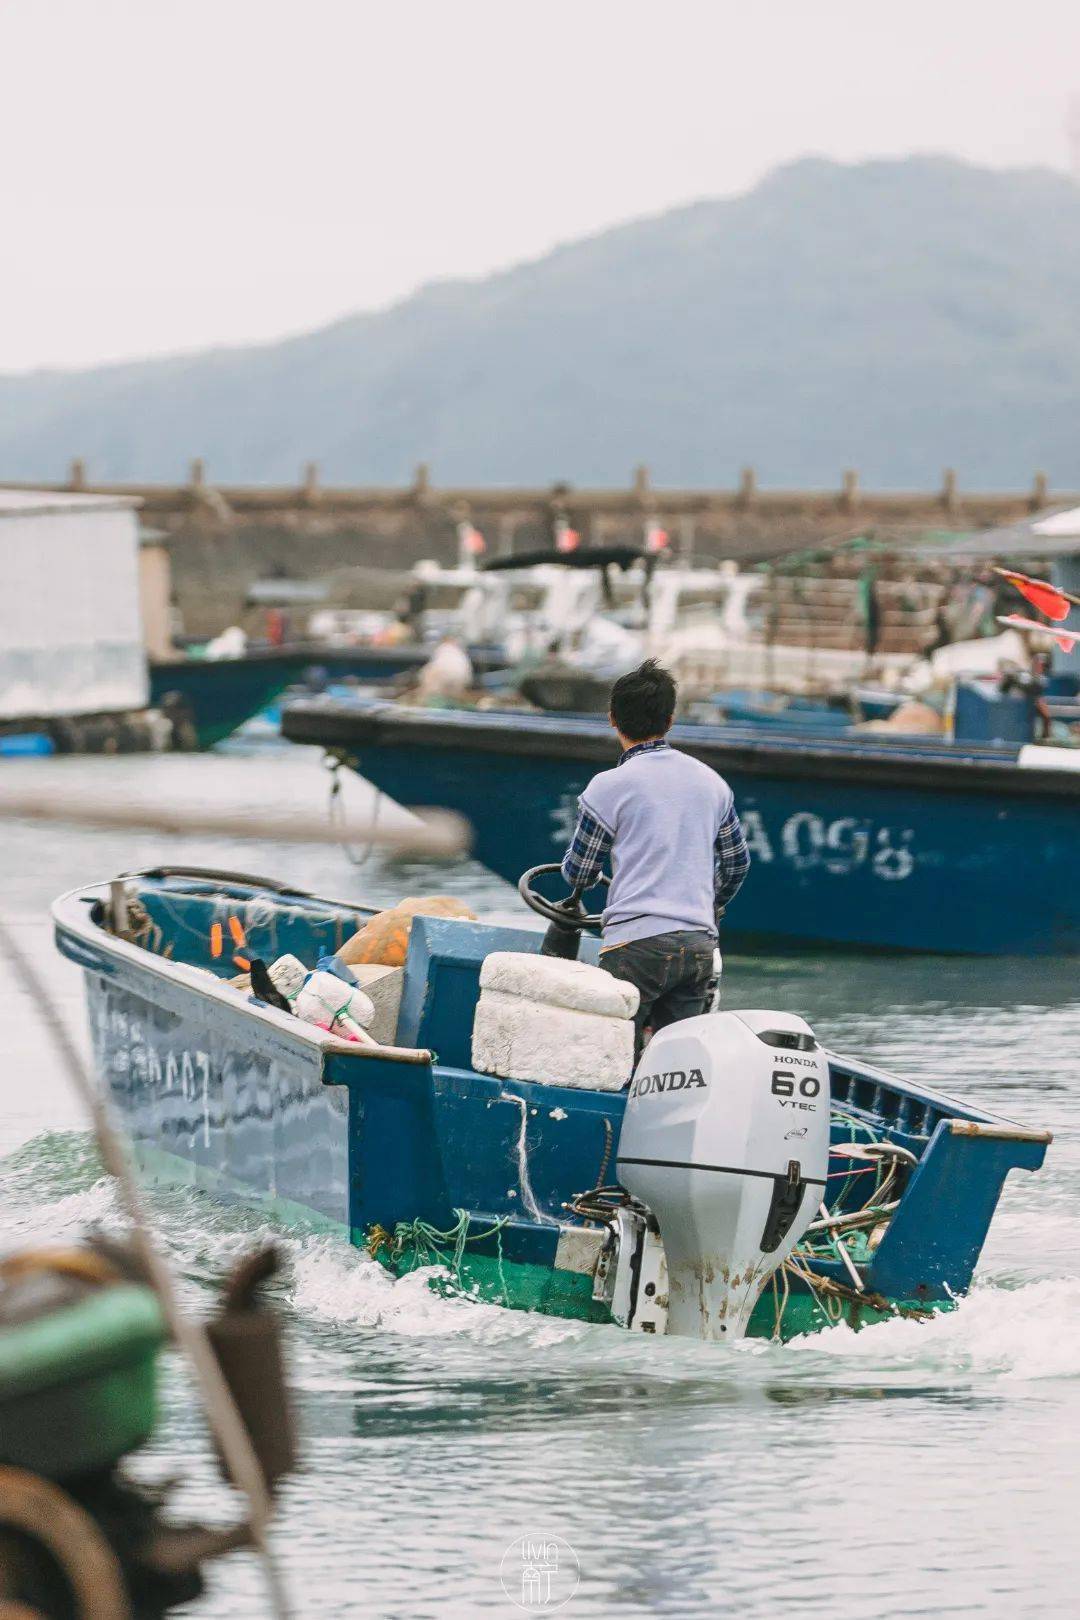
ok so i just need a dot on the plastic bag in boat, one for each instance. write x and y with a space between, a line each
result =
329 1002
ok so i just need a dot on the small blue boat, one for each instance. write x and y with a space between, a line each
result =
905 844
781 713
792 713
210 698
514 1186
217 695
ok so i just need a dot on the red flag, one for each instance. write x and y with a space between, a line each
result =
1066 639
1040 593
470 540
657 538
567 539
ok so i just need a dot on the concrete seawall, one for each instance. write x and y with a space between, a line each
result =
222 539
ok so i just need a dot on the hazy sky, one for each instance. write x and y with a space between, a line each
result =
181 174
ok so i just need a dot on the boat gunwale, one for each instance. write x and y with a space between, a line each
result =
588 741
944 1101
71 915
300 655
246 880
294 656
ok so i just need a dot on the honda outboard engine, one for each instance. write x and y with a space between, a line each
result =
726 1140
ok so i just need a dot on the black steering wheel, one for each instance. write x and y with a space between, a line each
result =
568 913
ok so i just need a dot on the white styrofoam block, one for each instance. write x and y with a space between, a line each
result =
382 986
558 983
521 1039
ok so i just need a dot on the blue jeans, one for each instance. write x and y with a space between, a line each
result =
672 973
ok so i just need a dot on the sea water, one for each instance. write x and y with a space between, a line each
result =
911 1469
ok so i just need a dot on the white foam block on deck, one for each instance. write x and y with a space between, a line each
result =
559 983
382 985
524 1029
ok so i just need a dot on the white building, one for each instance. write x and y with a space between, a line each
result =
71 634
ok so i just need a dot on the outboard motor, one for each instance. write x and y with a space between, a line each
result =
726 1140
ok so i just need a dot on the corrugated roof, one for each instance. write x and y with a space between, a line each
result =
1059 523
39 502
1044 534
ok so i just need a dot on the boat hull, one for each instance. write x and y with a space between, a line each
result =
220 694
424 1161
898 849
523 1287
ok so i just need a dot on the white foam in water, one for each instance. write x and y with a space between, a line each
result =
1016 1334
1019 1334
336 1284
63 1220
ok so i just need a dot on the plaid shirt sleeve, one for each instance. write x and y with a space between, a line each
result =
589 848
731 862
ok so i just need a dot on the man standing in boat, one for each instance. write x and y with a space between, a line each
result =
677 852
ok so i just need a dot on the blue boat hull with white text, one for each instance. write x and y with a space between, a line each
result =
902 846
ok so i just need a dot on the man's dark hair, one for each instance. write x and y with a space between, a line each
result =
643 702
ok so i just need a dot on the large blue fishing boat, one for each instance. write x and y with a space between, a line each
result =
747 1180
918 844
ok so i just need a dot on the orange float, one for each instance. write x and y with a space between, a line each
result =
384 940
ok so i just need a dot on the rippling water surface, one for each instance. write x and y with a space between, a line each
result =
912 1469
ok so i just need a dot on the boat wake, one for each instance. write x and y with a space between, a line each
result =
1010 1329
344 1288
1022 1334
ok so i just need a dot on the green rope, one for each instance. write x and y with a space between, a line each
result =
854 1125
824 1246
427 1245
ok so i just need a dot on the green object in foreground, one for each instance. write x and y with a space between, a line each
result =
78 1385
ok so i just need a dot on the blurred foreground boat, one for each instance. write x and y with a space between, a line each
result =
80 1340
80 1330
482 1125
911 844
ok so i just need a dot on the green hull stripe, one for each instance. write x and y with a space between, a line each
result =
568 1294
518 1285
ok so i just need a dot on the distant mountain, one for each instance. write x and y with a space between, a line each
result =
893 317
